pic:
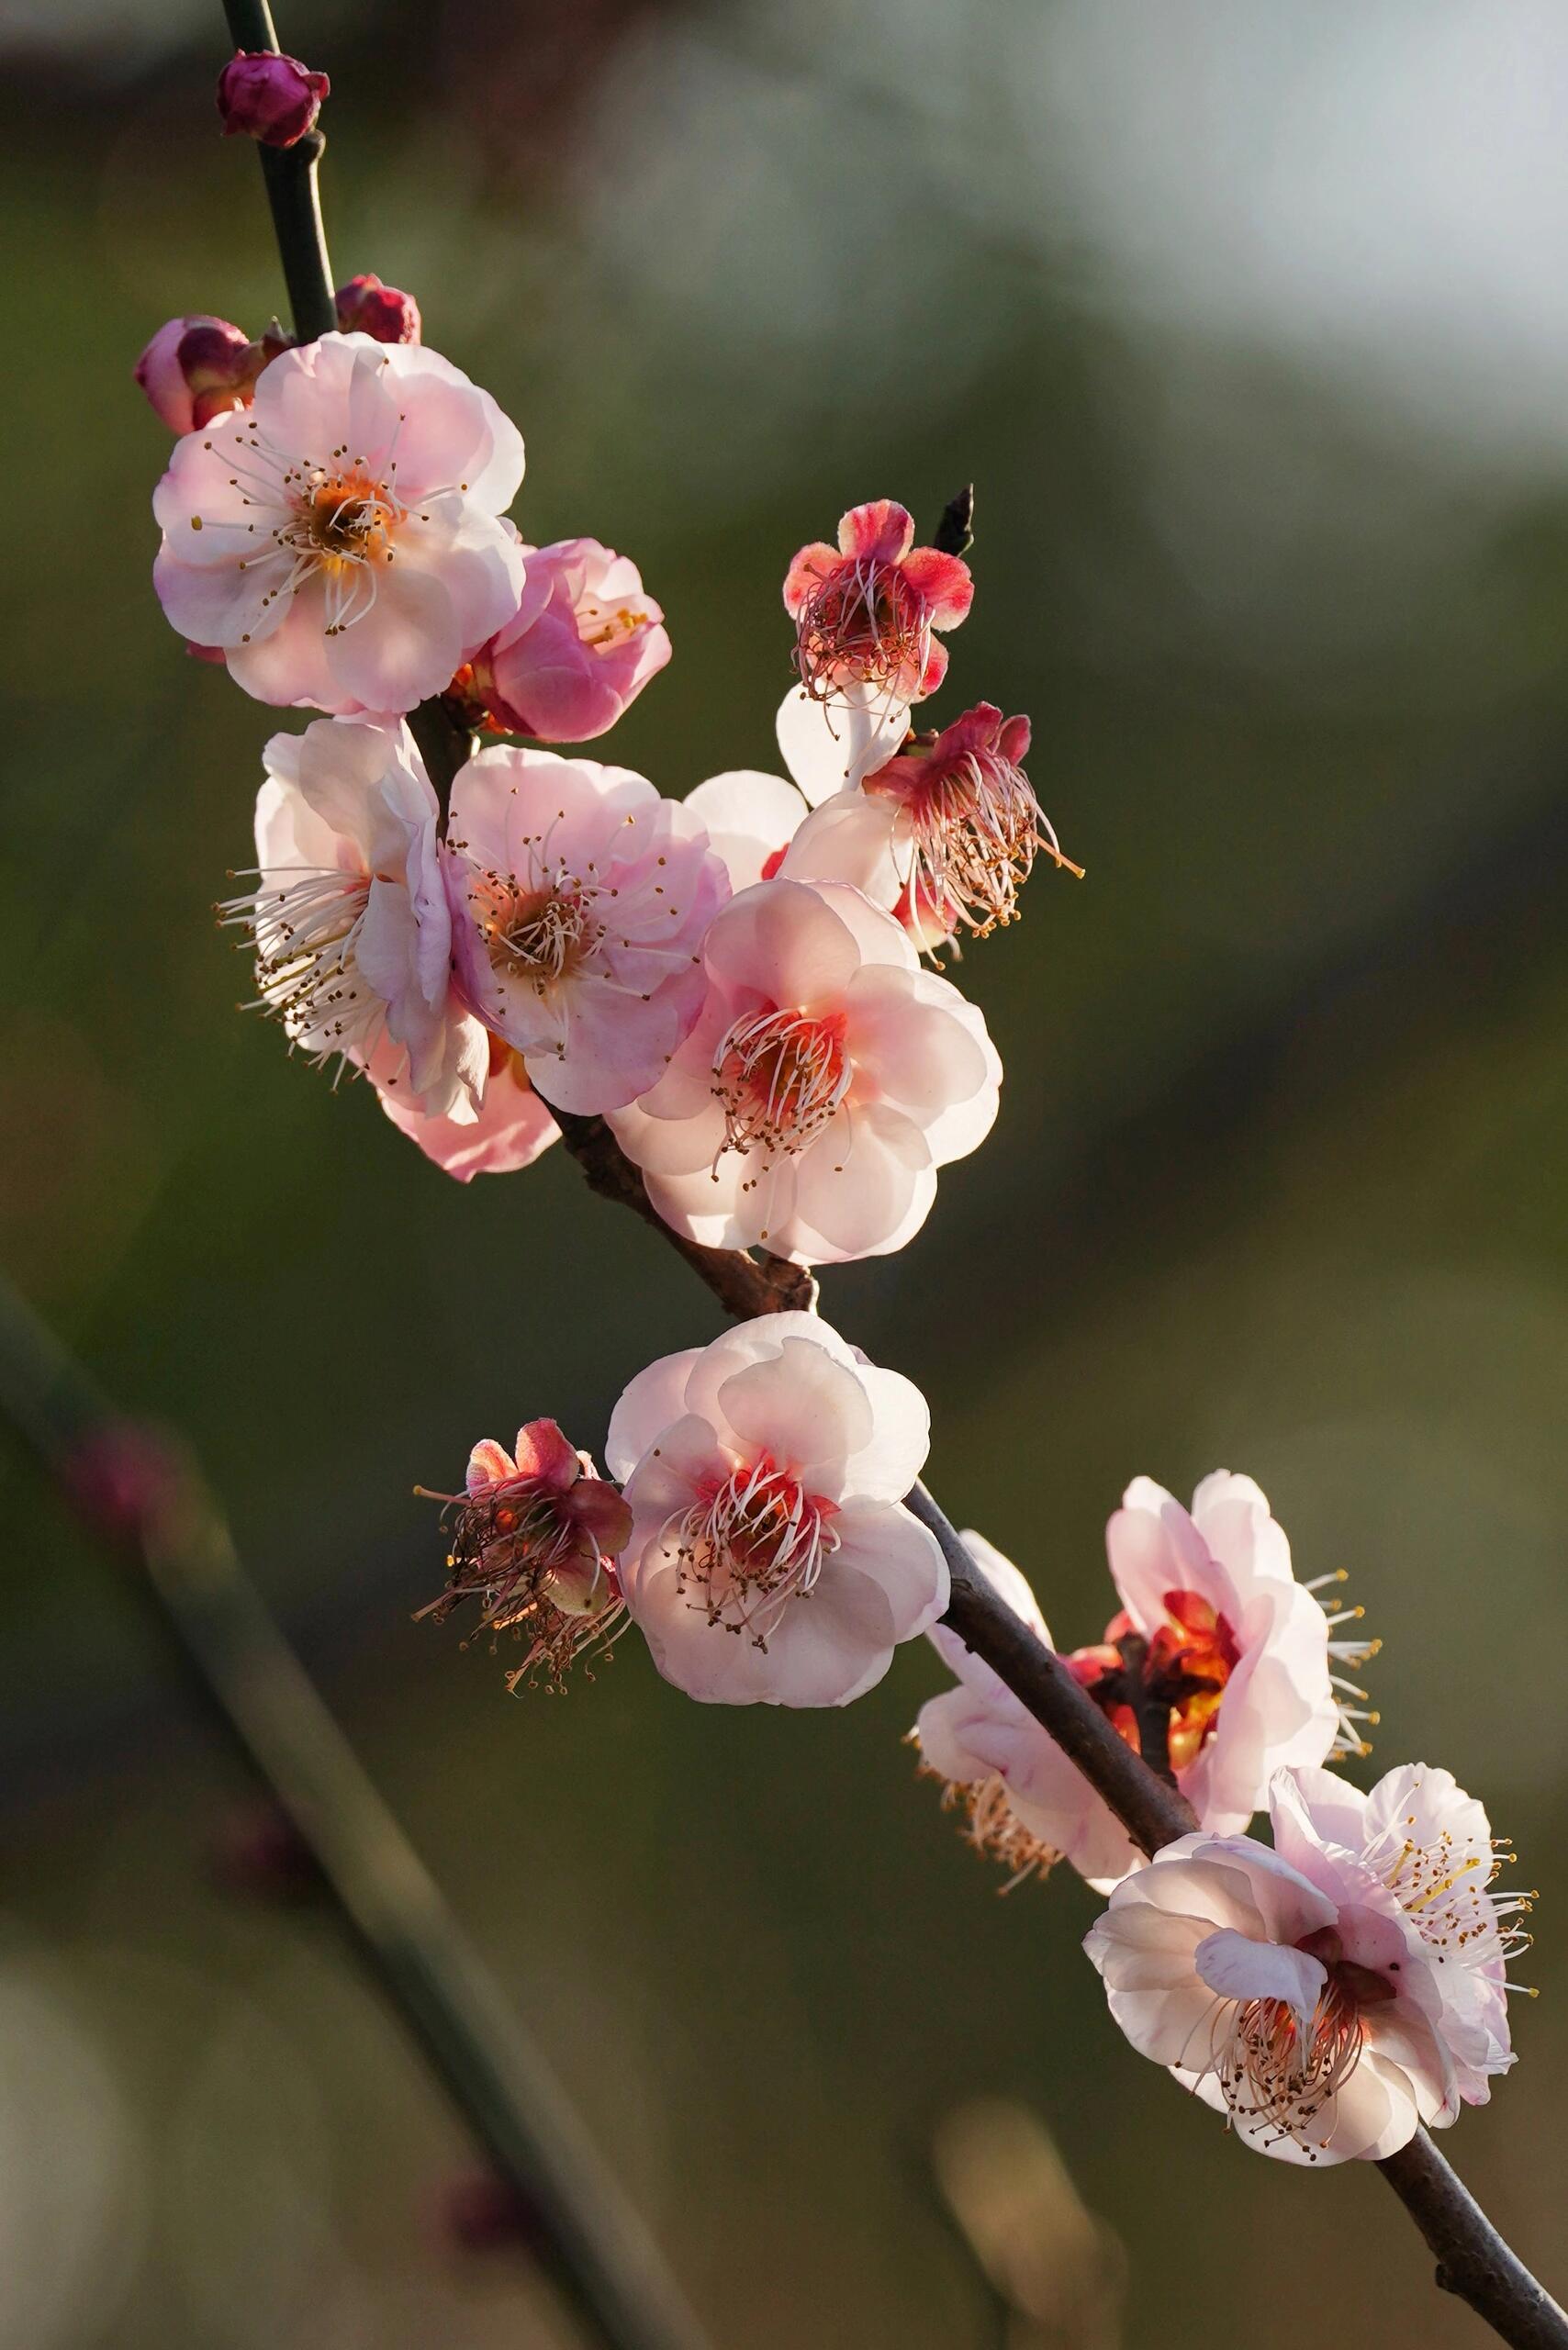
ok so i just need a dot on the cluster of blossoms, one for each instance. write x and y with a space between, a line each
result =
745 984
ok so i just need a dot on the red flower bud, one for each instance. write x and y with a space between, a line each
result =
264 96
195 368
366 306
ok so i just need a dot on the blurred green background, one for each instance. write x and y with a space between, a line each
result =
1252 329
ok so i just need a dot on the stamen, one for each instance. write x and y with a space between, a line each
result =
779 1076
749 1546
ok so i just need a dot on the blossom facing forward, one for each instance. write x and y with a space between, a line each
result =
825 1080
349 919
865 611
579 901
583 643
772 1560
341 539
535 1534
1334 1993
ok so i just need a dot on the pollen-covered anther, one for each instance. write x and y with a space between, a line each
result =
1273 2072
779 1076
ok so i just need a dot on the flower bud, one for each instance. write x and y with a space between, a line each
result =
366 306
195 368
264 96
579 649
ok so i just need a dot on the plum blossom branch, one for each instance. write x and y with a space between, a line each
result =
292 193
144 1499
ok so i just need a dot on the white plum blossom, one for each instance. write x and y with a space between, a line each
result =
349 921
826 1079
341 539
1215 1636
772 1560
579 901
750 817
828 746
1333 1994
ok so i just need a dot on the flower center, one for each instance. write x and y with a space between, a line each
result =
539 935
342 519
749 1544
779 1076
865 624
307 937
1273 2073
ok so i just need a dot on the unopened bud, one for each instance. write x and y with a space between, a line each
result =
195 368
366 306
263 96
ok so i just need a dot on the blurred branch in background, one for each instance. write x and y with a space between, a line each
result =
1057 2270
136 1489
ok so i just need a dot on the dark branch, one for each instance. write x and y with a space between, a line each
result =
744 1285
290 176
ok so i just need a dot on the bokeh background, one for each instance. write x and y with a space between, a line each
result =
1251 326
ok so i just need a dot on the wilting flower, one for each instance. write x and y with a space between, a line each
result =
579 899
341 539
578 650
772 1560
952 819
365 305
825 1080
864 612
196 369
1025 1803
510 1129
535 1534
1332 1994
264 96
350 921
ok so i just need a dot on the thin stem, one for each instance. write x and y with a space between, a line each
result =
290 176
145 1499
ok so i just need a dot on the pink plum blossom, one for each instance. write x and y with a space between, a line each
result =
1331 1995
1215 1634
772 1560
198 368
511 1128
350 921
341 539
365 305
580 899
535 1533
264 96
583 643
950 824
1025 1805
826 1079
864 612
